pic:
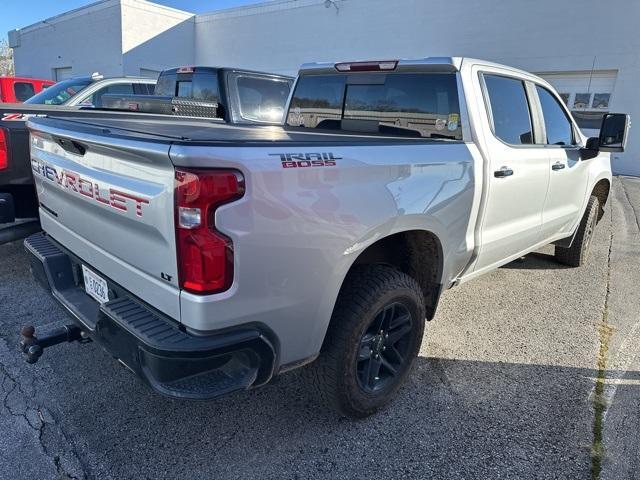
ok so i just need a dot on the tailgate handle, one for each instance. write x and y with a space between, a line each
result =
72 146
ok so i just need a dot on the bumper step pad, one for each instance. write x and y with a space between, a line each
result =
177 363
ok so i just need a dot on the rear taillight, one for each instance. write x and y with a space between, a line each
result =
4 155
205 256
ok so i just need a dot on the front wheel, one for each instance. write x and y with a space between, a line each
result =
576 255
373 339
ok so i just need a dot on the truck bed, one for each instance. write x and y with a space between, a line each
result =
332 193
210 132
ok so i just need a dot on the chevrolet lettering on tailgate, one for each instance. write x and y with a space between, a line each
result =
86 187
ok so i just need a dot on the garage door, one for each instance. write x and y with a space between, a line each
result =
587 94
62 73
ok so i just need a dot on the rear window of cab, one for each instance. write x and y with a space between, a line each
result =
199 86
398 104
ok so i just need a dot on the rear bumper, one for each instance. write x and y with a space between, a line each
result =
172 361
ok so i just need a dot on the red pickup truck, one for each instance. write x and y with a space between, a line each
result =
19 89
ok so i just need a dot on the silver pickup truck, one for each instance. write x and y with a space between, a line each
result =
211 258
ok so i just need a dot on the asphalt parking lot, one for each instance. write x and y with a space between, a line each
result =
530 372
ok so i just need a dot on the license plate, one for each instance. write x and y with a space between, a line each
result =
95 286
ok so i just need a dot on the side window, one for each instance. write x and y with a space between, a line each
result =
509 109
557 125
119 89
185 89
142 89
262 99
166 85
23 91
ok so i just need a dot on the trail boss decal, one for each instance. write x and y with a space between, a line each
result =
82 186
305 160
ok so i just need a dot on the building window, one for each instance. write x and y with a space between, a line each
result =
587 94
601 100
582 100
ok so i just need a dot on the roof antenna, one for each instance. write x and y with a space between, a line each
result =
593 66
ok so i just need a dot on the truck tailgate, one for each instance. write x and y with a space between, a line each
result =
110 203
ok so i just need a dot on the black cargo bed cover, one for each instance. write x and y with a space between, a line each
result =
215 133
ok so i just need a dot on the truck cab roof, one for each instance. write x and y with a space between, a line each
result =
442 64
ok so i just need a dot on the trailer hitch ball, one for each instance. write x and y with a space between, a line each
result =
33 347
29 344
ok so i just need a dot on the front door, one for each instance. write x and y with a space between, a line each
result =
569 174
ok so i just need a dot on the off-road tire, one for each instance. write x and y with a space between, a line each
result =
368 291
577 254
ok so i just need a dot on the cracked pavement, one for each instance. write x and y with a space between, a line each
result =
502 389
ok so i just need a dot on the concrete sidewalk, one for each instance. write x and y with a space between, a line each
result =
621 392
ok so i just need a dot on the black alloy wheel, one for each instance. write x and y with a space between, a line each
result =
384 348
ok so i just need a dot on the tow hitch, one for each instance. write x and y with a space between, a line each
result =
32 347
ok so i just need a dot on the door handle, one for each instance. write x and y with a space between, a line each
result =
503 172
557 166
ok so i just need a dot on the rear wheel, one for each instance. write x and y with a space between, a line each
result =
373 339
577 254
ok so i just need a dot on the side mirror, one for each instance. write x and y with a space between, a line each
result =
593 143
613 132
591 149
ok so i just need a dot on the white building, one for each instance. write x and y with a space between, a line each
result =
593 62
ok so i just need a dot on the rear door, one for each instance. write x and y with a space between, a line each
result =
518 170
110 201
